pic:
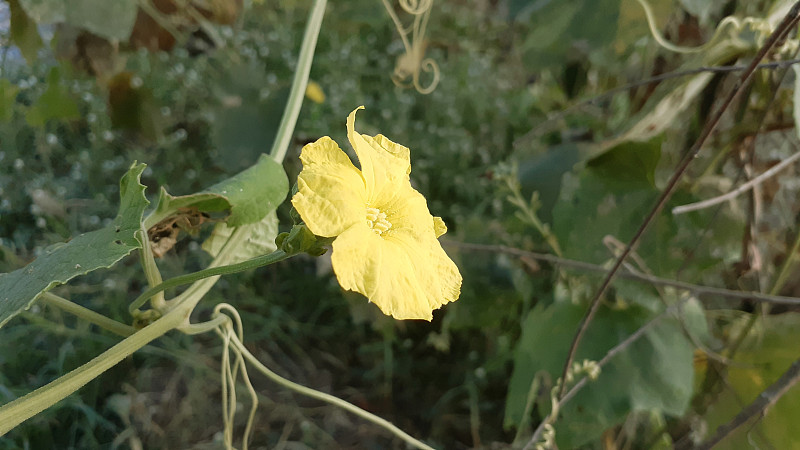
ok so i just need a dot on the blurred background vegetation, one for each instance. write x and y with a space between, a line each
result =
522 129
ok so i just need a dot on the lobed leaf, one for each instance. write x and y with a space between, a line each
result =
89 251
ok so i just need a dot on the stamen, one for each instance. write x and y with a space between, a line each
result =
376 221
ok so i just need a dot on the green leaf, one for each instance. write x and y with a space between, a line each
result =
109 19
610 197
24 33
89 251
8 97
261 239
662 112
45 11
254 192
250 195
543 174
54 103
655 373
769 351
630 165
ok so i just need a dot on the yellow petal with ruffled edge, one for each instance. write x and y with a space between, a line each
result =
330 190
383 163
437 274
390 274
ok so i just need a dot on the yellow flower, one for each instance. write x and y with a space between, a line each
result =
314 92
385 244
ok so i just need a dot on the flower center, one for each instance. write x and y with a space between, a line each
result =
377 222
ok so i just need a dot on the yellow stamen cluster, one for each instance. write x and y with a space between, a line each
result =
376 220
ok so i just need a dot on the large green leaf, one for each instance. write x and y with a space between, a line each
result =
108 19
250 195
654 374
610 197
254 192
89 251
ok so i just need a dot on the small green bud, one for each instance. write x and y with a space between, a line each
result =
301 239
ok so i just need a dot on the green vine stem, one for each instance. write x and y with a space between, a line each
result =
150 268
300 82
308 392
87 314
23 408
258 261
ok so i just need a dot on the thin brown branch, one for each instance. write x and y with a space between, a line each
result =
698 290
759 406
788 22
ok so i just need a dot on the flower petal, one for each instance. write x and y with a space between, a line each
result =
407 210
331 192
404 278
439 227
437 274
383 162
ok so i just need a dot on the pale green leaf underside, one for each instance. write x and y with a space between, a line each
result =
260 241
89 251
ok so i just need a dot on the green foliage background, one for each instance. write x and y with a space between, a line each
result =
510 115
